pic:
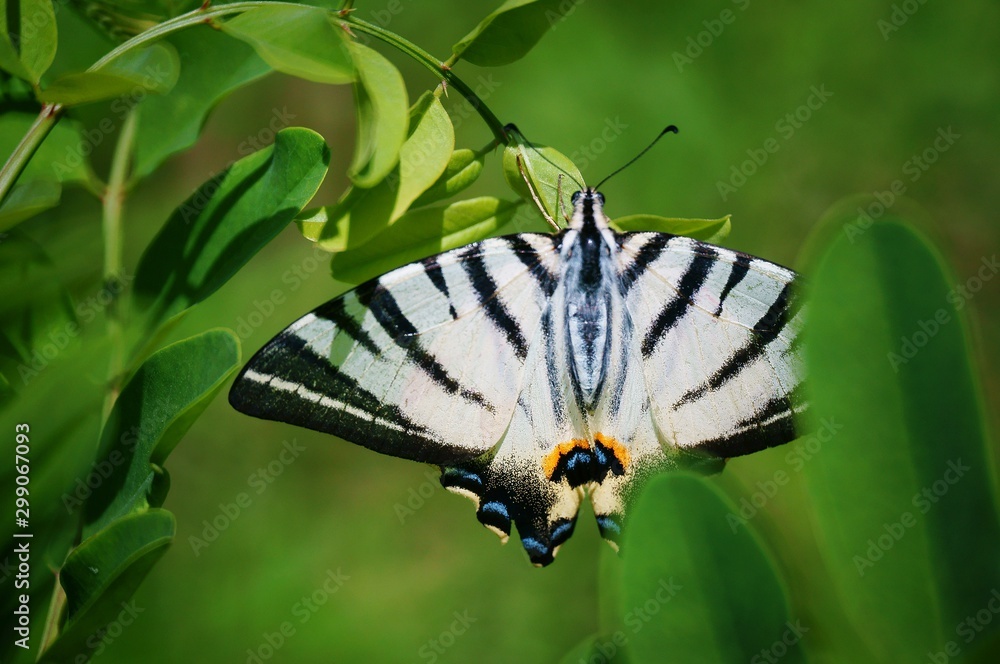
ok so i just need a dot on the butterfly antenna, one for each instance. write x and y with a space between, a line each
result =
670 129
526 143
534 196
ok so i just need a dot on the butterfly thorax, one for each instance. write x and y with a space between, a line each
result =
589 277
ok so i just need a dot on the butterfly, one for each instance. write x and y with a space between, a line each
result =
536 370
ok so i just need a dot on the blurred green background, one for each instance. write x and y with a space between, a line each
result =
598 87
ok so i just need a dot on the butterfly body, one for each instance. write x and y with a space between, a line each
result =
536 370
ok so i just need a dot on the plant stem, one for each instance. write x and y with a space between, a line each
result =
440 69
36 133
113 201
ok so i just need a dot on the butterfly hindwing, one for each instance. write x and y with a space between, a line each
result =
423 363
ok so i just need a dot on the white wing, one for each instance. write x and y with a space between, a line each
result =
424 362
718 334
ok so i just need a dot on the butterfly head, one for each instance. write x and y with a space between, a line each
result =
588 209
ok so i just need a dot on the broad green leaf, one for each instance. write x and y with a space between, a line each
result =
152 69
26 200
513 29
214 65
226 221
154 410
102 574
301 41
35 39
693 587
421 233
603 648
363 213
60 156
464 167
382 112
902 489
548 170
706 230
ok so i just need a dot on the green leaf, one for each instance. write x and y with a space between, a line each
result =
152 69
543 167
507 34
902 488
28 199
60 156
155 409
706 230
464 167
214 66
219 228
363 213
382 110
694 587
34 45
102 573
421 233
301 41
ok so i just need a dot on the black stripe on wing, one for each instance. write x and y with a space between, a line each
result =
283 380
739 270
690 283
336 312
486 289
766 330
648 253
383 306
772 425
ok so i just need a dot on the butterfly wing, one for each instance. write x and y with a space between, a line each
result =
424 362
718 335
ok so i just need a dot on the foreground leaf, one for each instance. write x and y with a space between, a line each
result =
890 372
216 231
60 156
382 112
26 200
301 41
509 32
100 576
693 587
421 233
464 168
157 406
706 230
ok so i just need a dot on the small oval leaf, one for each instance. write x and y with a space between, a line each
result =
301 41
35 36
551 173
509 32
706 230
26 200
383 114
154 68
464 167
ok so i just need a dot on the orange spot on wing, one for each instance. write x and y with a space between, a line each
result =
552 458
619 450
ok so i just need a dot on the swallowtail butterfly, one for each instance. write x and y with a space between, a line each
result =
537 369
